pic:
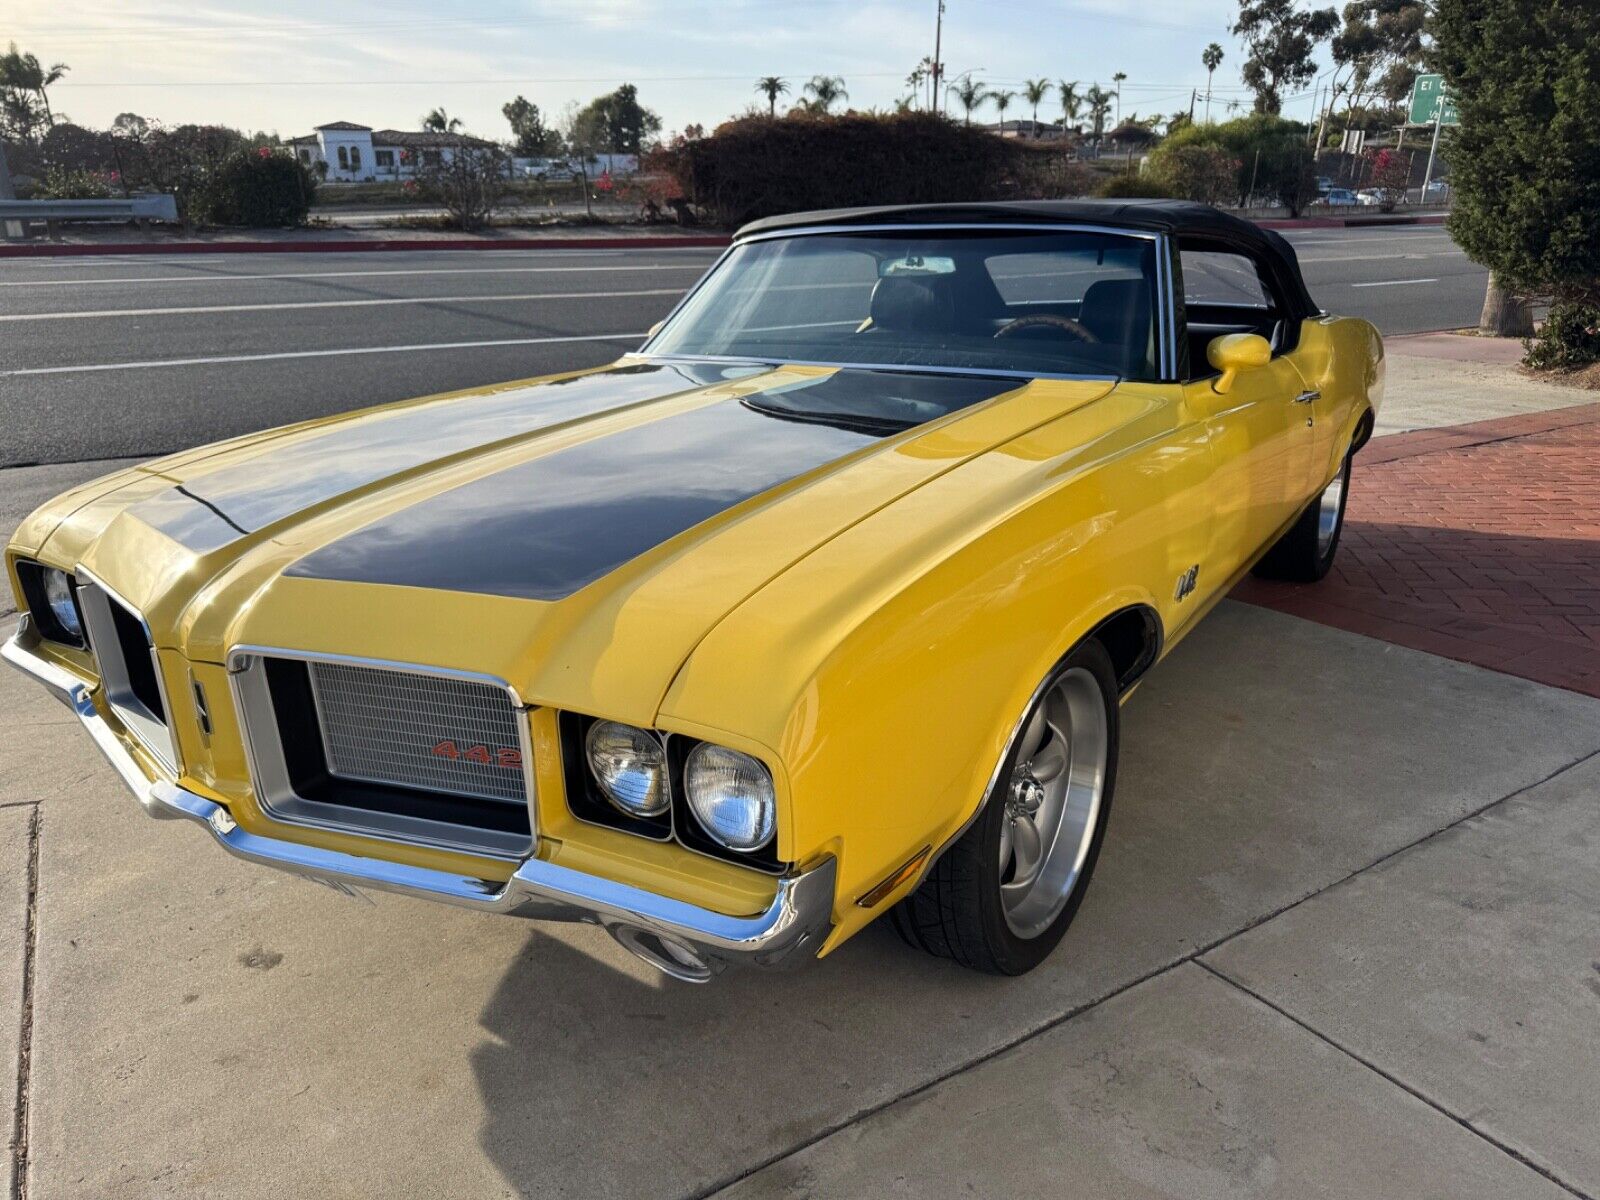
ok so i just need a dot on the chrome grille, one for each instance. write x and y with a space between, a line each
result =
460 737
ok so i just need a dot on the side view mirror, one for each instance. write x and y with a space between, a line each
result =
1235 352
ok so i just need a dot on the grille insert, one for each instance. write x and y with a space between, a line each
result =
429 732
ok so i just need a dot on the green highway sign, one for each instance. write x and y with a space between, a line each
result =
1427 96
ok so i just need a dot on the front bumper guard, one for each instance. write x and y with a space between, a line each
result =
682 940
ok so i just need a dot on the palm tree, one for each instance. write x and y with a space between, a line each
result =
1117 79
1002 101
1035 90
1099 102
1071 102
439 121
824 90
971 93
23 73
771 86
1211 59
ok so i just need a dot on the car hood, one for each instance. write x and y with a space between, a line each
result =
576 536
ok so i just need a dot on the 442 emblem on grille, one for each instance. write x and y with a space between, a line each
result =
490 756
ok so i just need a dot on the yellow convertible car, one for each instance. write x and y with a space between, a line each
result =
818 607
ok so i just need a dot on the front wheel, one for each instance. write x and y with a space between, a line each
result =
1305 553
1003 895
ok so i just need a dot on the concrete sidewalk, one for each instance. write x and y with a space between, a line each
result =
199 1026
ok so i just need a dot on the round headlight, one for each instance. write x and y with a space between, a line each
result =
58 595
630 766
731 795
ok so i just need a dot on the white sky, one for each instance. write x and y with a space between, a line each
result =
293 64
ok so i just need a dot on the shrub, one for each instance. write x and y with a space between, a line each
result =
1207 174
1272 156
1391 175
59 184
1135 187
256 188
1569 337
470 184
755 167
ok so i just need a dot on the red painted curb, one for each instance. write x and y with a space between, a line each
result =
49 250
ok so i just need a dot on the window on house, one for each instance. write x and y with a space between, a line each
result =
430 157
355 158
305 155
384 158
344 158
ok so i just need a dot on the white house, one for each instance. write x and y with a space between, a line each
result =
358 153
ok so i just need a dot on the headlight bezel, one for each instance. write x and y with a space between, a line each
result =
35 578
586 803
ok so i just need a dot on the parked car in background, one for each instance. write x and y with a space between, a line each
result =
1369 197
1338 196
819 607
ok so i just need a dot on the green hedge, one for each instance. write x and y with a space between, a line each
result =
757 166
256 188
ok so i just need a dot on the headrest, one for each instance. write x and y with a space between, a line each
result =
1117 311
914 303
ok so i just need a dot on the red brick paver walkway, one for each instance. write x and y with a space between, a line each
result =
1478 542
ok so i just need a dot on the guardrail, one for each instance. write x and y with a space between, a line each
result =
18 214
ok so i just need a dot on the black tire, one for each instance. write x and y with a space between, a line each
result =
1301 555
957 911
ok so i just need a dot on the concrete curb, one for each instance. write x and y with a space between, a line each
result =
1351 222
347 245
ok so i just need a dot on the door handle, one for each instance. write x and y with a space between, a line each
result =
1308 397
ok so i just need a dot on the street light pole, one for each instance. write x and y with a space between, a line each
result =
938 63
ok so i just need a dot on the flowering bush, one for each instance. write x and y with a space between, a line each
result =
1391 175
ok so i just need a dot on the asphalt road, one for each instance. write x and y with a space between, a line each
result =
106 358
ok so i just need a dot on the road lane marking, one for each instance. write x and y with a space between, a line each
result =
18 283
351 351
1393 282
202 309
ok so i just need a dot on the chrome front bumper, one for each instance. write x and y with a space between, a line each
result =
682 940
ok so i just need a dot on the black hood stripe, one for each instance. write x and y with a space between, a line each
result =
545 528
221 507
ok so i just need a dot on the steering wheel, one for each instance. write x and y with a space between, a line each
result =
1048 321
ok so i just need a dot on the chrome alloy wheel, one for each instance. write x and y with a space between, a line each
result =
1329 509
1052 802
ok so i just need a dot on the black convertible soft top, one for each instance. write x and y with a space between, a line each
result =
1179 218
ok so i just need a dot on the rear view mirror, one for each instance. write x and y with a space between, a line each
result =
1235 352
916 264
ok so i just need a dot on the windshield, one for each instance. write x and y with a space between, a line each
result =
1068 303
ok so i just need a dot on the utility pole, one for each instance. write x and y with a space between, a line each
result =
8 229
1193 94
938 63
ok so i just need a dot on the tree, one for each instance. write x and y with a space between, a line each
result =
617 123
825 91
1071 102
1117 80
1282 42
970 93
1099 102
1211 59
1207 174
1525 78
1002 101
439 121
23 73
772 86
1379 45
1034 91
920 74
530 136
1270 155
